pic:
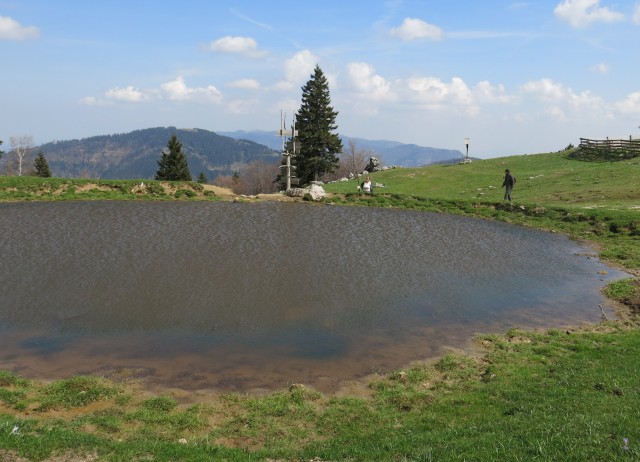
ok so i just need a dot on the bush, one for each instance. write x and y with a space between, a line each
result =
184 192
156 189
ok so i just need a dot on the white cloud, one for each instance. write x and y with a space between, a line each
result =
177 90
601 68
581 13
517 6
366 82
298 70
92 101
413 29
243 106
556 113
432 90
485 92
636 14
10 29
551 92
289 106
427 92
128 94
246 84
546 89
630 105
245 46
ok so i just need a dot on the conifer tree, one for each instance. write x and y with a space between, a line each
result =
41 166
202 179
173 166
315 121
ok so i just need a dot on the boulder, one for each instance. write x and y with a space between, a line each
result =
373 165
315 191
296 192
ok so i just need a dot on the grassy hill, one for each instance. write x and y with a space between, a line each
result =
570 394
549 179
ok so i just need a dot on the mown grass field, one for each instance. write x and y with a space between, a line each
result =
563 394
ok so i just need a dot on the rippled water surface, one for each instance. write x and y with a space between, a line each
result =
246 296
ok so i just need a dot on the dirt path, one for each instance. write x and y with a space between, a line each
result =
227 194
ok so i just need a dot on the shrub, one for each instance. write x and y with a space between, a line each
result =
155 189
184 192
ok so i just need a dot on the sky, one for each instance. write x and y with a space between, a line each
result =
514 77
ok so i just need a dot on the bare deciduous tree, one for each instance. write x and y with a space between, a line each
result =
254 178
259 178
229 181
353 159
21 146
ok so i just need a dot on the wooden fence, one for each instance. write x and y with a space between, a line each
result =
609 147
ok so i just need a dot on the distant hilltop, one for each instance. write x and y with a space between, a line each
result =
391 152
136 154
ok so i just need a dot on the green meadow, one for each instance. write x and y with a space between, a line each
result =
548 179
570 394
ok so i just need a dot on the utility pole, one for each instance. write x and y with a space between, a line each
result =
284 133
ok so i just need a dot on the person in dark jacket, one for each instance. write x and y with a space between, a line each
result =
508 183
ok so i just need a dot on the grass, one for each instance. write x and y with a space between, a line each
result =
571 394
25 188
534 396
552 180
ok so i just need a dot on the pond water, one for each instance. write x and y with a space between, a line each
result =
232 296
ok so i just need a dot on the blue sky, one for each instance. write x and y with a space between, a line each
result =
513 76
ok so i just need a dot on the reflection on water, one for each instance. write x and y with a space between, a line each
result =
237 296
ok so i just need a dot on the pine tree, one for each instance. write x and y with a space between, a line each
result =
41 166
172 166
202 179
315 121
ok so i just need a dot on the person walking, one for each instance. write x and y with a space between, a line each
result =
508 184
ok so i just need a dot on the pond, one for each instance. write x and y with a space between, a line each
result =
232 296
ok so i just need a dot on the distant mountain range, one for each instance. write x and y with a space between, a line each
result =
391 152
135 155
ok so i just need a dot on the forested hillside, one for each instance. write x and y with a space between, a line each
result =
135 154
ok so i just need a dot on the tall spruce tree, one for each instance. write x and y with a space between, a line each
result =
173 166
41 166
315 121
